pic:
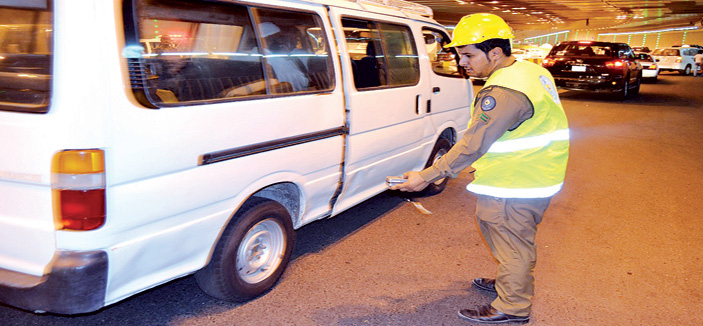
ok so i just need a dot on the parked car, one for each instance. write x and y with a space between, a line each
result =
595 66
676 59
650 68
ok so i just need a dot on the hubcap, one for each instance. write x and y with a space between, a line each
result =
260 251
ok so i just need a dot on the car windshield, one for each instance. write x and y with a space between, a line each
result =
643 57
581 49
666 52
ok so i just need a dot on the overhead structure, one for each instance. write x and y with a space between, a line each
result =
623 15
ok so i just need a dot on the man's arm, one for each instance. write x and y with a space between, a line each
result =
496 111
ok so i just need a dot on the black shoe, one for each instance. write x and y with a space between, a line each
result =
486 284
488 315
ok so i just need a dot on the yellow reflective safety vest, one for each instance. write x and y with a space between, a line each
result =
530 161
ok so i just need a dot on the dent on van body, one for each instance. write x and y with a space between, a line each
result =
76 284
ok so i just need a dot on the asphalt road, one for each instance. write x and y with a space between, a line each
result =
622 244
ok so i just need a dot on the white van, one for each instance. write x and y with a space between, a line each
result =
124 167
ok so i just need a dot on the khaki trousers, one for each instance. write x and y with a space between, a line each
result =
509 226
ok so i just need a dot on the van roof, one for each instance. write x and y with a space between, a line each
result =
399 8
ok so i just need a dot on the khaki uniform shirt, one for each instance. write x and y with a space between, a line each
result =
496 110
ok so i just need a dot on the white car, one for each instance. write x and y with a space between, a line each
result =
676 59
650 68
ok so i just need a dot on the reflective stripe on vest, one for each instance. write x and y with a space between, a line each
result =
528 142
514 192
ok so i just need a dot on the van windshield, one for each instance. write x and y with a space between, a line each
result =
25 56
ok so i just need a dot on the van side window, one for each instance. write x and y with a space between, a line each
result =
403 63
25 57
444 61
292 54
205 51
382 54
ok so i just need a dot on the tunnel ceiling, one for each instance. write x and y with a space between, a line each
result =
542 15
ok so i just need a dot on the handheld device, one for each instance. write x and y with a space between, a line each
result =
395 180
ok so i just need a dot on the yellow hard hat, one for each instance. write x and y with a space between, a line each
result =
476 28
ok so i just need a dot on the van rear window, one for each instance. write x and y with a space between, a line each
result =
195 51
25 56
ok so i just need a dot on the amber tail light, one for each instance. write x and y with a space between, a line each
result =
78 189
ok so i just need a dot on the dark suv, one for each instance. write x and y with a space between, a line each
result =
595 66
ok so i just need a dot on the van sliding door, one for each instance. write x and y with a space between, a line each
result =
385 98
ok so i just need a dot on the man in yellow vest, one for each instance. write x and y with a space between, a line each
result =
518 142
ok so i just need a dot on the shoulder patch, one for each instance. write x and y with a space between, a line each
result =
488 103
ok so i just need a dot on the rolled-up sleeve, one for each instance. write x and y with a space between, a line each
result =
497 110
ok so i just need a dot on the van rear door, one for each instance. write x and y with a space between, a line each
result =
26 222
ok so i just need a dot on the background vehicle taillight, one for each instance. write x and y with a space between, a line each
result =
78 189
548 62
617 64
653 67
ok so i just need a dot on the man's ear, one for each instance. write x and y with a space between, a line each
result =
495 53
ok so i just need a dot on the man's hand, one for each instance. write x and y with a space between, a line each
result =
415 182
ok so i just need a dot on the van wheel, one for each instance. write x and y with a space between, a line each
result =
440 148
251 254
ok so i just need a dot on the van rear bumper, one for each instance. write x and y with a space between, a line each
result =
76 284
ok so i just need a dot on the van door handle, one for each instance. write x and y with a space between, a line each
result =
435 90
417 104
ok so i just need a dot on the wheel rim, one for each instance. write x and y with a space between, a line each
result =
260 251
437 156
626 88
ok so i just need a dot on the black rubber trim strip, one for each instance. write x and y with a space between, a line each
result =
229 154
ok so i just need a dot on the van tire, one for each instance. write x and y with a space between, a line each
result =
440 148
252 253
